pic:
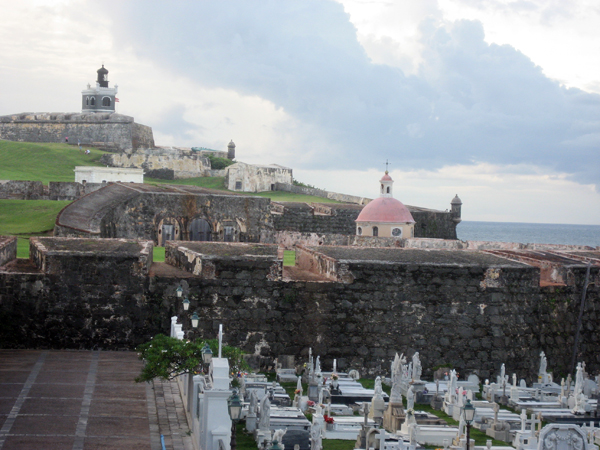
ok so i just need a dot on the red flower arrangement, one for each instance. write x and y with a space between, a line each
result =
310 403
328 419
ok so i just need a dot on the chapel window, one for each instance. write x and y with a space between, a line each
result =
375 231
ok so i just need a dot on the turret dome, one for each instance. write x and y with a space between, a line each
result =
385 210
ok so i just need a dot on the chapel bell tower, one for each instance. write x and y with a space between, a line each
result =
100 98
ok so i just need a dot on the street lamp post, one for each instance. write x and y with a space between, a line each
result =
469 414
234 407
206 354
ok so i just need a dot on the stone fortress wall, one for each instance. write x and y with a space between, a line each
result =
327 219
471 309
35 190
110 131
163 163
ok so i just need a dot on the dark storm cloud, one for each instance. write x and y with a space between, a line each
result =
471 101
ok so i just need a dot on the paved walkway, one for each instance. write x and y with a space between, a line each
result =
85 400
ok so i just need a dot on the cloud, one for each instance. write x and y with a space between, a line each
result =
469 101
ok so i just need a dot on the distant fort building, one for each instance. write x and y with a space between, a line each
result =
100 98
97 125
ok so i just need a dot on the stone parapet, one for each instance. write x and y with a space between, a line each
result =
21 190
8 249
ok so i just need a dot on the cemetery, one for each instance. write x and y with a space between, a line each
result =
332 404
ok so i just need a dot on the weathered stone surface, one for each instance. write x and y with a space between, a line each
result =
340 219
21 190
62 190
138 211
437 303
8 249
183 163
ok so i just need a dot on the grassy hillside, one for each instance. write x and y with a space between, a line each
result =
56 162
25 218
205 182
43 162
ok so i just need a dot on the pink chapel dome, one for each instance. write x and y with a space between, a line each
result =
385 209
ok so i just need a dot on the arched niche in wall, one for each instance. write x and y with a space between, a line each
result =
168 229
199 230
228 231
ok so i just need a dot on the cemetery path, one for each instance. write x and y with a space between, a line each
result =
85 400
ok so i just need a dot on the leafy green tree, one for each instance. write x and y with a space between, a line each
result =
167 357
217 163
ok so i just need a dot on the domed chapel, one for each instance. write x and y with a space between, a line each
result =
385 216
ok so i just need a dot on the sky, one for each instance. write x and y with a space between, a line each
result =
497 101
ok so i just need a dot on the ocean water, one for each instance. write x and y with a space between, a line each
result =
526 233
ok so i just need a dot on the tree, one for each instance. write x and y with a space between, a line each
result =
167 357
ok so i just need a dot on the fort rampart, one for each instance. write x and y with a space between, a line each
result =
323 219
113 132
470 309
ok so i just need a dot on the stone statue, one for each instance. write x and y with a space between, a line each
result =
578 379
514 380
315 436
403 367
265 414
543 364
253 402
278 437
410 398
416 367
502 374
396 394
496 408
378 389
461 427
318 366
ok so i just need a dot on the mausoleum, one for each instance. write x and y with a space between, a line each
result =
385 216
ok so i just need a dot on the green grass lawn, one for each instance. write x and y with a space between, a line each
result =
219 183
205 182
289 258
158 254
43 162
26 218
281 196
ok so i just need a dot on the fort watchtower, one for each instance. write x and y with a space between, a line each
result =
100 98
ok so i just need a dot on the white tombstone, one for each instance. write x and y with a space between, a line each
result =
564 437
215 423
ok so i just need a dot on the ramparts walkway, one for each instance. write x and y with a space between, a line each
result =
82 400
